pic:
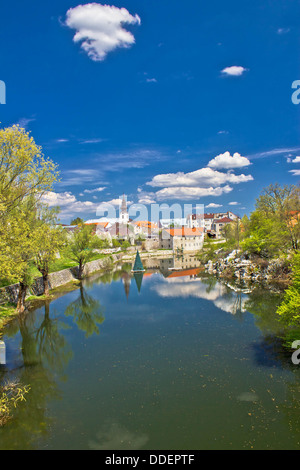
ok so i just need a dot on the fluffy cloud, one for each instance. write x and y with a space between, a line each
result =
212 204
100 28
226 161
57 199
68 204
205 177
189 193
234 70
296 160
295 172
146 199
204 182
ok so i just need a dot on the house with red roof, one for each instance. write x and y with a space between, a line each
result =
219 224
182 239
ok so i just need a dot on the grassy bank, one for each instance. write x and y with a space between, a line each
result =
8 310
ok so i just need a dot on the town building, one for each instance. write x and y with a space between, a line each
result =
182 239
145 228
219 224
195 220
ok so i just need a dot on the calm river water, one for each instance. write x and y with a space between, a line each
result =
170 360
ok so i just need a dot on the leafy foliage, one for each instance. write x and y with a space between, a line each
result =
289 310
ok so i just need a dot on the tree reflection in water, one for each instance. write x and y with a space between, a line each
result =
44 356
86 312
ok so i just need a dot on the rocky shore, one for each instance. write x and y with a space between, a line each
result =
250 270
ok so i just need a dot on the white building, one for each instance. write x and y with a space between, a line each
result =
195 221
182 239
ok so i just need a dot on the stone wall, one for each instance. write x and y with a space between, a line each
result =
58 279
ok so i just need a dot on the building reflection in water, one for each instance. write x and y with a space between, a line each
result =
182 279
2 353
177 266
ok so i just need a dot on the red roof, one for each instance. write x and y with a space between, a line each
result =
186 272
185 232
224 220
209 216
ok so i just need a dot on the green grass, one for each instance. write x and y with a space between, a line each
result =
7 311
59 265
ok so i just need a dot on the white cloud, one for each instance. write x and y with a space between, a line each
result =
100 28
234 70
189 193
212 204
24 122
283 30
203 177
296 160
92 141
233 203
57 199
225 160
270 153
114 202
96 190
81 176
68 204
146 199
295 172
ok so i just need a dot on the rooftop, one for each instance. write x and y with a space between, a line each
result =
185 232
224 220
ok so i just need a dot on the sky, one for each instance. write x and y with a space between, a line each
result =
165 101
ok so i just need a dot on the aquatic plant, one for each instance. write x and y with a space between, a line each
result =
11 394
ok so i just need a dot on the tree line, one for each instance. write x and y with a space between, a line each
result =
273 231
29 232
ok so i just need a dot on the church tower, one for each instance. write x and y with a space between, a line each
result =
124 216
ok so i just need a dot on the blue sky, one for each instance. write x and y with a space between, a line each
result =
144 105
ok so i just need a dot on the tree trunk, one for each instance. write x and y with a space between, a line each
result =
46 284
21 298
80 270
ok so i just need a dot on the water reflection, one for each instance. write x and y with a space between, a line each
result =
44 353
41 361
2 353
186 284
138 279
115 436
86 312
137 375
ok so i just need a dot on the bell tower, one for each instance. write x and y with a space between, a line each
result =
124 216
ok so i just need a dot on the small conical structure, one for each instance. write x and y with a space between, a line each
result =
138 276
138 265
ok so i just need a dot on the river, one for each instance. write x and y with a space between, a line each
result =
172 359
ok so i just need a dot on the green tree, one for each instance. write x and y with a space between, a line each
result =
81 245
24 171
77 221
272 229
25 176
289 309
50 239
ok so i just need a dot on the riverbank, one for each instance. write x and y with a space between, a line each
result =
241 267
66 278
